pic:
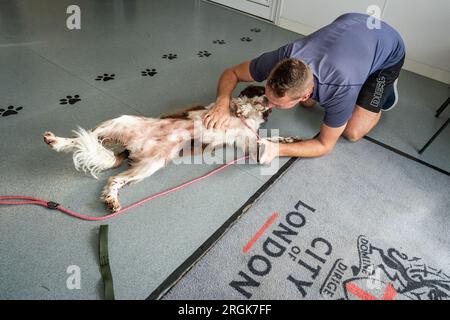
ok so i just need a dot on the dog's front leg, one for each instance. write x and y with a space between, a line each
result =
284 139
138 171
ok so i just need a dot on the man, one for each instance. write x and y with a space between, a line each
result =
348 68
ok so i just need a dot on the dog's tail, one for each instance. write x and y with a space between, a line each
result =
90 155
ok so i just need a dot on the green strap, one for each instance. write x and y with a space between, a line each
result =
104 263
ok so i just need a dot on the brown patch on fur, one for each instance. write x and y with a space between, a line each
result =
256 91
112 204
285 139
253 91
183 114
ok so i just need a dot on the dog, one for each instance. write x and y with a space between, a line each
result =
149 144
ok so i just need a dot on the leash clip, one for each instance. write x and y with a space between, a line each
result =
52 205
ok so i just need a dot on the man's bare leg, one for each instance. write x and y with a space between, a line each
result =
361 123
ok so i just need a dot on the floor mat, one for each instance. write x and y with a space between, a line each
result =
361 223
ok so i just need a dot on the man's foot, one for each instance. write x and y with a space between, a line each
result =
392 100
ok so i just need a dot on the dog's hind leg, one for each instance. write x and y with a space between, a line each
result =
139 171
60 144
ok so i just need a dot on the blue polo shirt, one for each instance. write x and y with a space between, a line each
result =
341 56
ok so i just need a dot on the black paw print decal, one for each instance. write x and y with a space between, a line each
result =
106 77
255 30
170 56
70 99
203 53
247 39
10 111
148 72
219 41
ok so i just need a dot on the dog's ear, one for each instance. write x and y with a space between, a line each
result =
266 114
253 91
240 108
244 110
260 104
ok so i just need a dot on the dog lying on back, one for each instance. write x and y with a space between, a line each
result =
151 143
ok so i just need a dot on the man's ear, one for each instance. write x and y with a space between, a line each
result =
305 97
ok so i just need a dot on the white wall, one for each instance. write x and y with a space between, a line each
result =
310 15
424 26
260 8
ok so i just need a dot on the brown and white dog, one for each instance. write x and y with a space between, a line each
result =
151 143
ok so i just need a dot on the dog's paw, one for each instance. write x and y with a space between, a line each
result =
111 203
49 138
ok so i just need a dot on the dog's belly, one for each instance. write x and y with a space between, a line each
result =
150 137
157 137
234 132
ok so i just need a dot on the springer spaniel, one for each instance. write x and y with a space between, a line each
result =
151 143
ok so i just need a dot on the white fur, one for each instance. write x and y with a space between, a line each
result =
90 155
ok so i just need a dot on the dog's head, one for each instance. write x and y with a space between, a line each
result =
252 103
253 91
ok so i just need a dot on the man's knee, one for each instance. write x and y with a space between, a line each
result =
353 135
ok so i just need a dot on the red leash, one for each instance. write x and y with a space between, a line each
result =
56 206
251 129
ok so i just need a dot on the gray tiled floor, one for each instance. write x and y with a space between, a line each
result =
408 126
42 62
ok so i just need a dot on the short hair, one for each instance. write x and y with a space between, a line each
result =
289 75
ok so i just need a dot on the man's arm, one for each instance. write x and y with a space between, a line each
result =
231 77
317 147
219 115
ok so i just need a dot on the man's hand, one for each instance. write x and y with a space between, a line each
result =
271 150
218 117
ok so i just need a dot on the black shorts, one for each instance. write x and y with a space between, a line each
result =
378 87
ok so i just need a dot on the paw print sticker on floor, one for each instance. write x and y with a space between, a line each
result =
246 39
106 77
219 41
203 53
170 56
9 111
255 30
70 99
149 72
